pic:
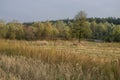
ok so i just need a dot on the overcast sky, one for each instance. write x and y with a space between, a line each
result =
41 10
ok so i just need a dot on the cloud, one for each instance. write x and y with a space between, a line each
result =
29 10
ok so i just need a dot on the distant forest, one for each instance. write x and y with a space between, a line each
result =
81 27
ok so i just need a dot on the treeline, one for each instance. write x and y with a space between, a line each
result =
111 20
79 28
60 30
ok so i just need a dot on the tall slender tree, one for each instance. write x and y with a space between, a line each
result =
81 27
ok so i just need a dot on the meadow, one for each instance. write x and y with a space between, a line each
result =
59 60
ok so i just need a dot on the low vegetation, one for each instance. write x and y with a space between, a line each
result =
59 60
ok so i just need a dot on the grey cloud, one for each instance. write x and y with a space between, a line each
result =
30 10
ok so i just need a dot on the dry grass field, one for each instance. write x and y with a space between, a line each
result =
59 60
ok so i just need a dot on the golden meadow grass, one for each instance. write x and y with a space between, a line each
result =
60 60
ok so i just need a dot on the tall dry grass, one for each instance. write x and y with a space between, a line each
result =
61 60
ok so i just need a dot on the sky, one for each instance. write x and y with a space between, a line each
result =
42 10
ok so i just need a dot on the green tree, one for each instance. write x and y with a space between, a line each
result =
66 33
19 31
101 30
3 29
38 28
11 34
55 33
81 28
108 33
15 30
116 33
64 30
87 30
47 33
93 27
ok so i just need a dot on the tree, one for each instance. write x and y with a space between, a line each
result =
66 33
29 33
3 29
101 30
93 27
55 33
19 31
82 15
47 33
108 33
11 34
15 30
87 30
38 28
116 33
81 28
64 30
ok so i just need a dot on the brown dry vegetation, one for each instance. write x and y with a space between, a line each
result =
60 60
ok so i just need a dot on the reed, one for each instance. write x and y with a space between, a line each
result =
60 60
